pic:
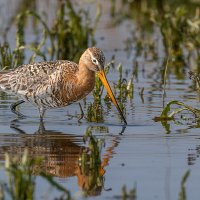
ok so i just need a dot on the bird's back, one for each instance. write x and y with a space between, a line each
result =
36 82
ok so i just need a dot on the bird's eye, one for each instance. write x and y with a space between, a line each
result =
94 61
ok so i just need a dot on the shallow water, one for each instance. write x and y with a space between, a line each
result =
144 154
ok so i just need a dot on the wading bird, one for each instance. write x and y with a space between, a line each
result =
56 84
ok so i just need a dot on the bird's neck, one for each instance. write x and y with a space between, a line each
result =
86 78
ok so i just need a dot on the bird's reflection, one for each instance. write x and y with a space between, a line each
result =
193 155
64 155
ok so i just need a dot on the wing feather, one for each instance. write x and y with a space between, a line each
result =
27 78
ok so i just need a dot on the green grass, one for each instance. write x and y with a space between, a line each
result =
167 115
123 90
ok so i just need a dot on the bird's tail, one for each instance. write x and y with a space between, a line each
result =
4 78
4 72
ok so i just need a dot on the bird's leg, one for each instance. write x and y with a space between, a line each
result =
13 108
15 126
82 113
41 128
41 111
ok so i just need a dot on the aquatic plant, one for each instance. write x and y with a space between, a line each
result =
95 112
125 87
94 109
182 193
21 173
20 183
6 57
123 90
165 115
98 89
71 33
16 56
180 33
176 21
165 77
195 77
90 166
127 195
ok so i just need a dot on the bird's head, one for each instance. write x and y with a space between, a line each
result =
94 59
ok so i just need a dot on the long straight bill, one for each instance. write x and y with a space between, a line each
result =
103 78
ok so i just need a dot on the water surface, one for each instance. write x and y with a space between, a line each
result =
144 154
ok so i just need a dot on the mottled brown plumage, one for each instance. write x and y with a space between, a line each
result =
56 83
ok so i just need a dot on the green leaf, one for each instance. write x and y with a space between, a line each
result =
165 115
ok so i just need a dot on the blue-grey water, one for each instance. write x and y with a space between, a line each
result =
144 154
